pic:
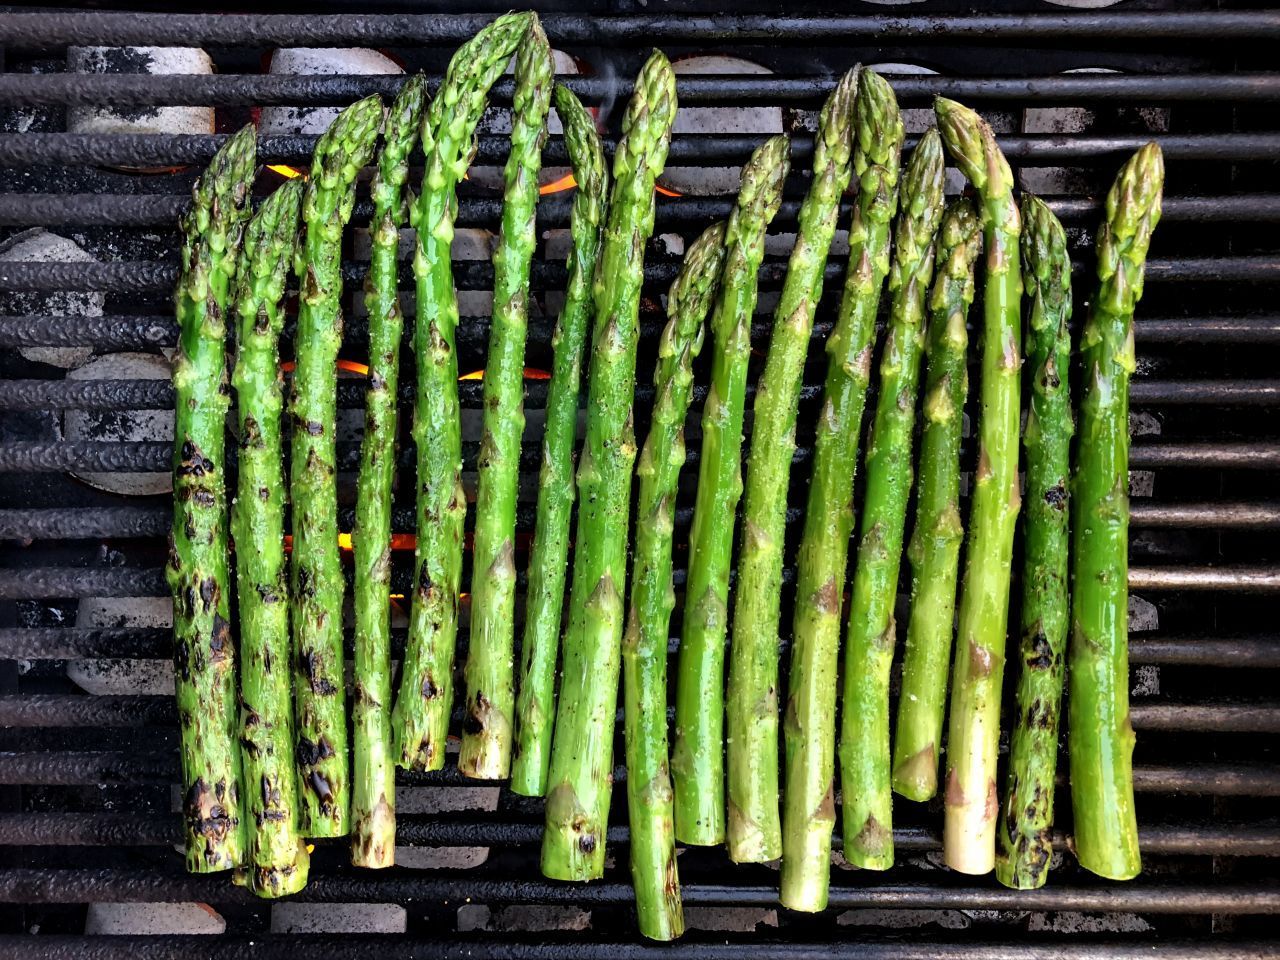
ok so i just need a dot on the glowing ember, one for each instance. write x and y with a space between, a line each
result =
666 192
284 171
473 375
555 186
352 367
530 373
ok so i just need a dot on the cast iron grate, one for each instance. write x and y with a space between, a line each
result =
86 780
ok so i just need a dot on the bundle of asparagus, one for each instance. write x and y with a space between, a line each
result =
248 806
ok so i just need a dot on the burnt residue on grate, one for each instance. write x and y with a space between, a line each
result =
87 814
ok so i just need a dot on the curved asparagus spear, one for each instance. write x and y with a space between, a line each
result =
276 853
420 719
969 836
204 657
373 790
700 693
582 749
934 549
1022 860
867 801
1099 734
317 570
809 812
549 554
489 673
644 647
758 593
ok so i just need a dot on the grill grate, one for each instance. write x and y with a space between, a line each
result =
86 780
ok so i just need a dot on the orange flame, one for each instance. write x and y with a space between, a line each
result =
284 171
530 373
352 367
473 375
399 541
555 186
666 191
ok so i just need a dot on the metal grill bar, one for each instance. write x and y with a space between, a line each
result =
125 829
67 523
59 710
131 90
155 885
709 149
154 210
158 394
59 643
74 768
66 28
372 947
126 332
36 456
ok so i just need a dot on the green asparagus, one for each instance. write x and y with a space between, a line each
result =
577 809
872 633
700 697
549 554
644 646
969 835
197 570
317 570
757 603
277 854
809 813
934 549
420 719
1100 737
489 673
1022 860
373 796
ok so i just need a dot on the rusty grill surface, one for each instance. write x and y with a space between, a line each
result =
87 779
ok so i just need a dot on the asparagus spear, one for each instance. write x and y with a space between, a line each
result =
204 657
420 719
757 604
644 646
1022 860
934 549
317 570
489 673
276 853
970 826
373 796
582 749
549 555
864 732
809 813
1100 737
700 712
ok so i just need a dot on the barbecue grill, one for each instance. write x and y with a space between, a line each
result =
88 763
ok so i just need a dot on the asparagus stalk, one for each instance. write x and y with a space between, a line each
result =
970 825
549 554
934 549
490 672
317 570
420 719
277 855
373 793
700 703
1100 736
644 646
1022 859
809 812
204 657
582 749
757 603
872 632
